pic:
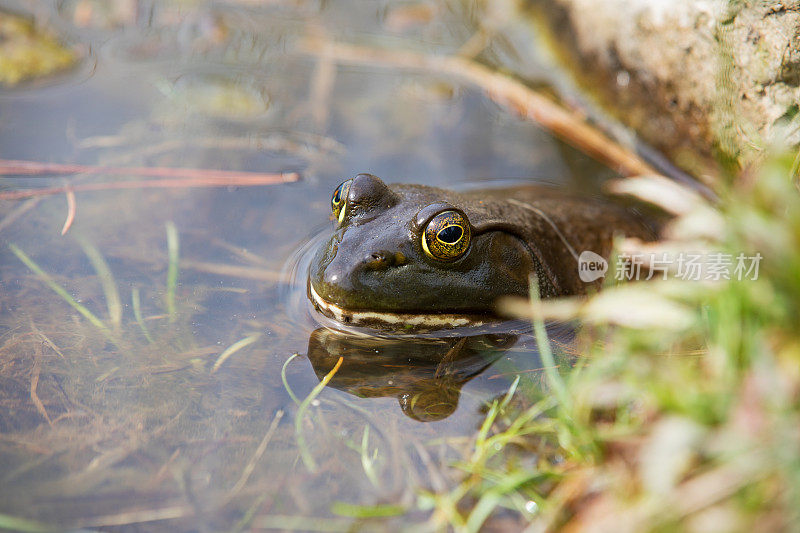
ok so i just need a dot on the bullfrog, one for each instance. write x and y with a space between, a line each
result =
406 256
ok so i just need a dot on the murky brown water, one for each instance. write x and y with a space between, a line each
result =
146 426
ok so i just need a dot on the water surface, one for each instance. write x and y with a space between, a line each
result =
145 425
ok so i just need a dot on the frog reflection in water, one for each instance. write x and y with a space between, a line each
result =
418 256
424 374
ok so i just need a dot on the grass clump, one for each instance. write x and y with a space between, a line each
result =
683 408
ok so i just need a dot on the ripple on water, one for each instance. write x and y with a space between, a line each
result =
424 372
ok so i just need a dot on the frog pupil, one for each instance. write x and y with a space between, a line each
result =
337 196
450 234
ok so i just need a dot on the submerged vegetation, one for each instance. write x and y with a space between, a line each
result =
681 409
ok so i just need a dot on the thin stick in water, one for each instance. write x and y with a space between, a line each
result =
266 179
70 210
251 465
34 168
37 367
504 90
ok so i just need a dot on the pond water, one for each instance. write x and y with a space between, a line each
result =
186 410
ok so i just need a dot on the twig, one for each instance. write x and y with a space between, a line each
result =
35 168
251 465
301 143
240 181
502 89
47 340
37 367
162 472
70 210
138 517
235 271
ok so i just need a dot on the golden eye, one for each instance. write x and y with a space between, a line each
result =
447 236
339 200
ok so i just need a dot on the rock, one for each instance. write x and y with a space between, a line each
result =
699 80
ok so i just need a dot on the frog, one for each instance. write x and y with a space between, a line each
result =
418 256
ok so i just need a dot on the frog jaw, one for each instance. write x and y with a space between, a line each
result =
388 319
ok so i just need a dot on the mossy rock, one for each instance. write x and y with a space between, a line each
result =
703 81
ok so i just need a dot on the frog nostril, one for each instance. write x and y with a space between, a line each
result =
376 261
379 260
383 259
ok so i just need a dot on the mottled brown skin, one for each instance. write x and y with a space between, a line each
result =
375 261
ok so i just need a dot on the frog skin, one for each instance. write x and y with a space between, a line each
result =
418 256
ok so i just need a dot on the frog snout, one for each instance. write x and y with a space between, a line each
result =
381 260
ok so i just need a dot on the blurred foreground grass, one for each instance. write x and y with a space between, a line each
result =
681 411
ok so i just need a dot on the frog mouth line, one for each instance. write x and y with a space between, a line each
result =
399 320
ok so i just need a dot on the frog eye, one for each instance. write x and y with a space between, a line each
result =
447 236
339 200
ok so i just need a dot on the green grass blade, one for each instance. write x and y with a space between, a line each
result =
233 348
137 313
366 511
543 343
292 395
100 265
510 394
14 523
301 412
492 498
486 425
58 289
173 252
367 462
